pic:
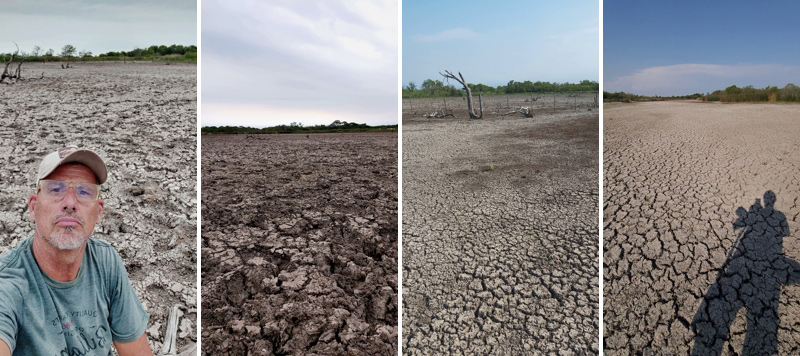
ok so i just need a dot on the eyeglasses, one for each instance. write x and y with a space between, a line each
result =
57 190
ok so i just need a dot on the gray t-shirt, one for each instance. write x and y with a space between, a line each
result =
40 316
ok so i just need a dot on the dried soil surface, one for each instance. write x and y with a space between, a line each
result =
500 236
141 118
674 175
299 251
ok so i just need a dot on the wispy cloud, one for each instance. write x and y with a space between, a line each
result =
683 79
335 56
447 35
97 26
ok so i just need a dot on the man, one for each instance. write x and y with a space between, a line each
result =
62 293
751 277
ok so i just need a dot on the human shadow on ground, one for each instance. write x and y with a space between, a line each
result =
751 277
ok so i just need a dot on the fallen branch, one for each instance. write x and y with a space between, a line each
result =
440 114
524 110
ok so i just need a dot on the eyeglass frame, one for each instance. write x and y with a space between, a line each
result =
72 185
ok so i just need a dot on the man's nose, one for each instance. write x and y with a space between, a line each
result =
70 200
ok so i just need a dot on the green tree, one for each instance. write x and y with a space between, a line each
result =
733 90
68 51
432 85
411 87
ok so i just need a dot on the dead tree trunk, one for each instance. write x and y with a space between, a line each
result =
13 76
460 80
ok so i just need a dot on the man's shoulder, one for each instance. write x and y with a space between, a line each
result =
102 251
14 258
14 269
99 244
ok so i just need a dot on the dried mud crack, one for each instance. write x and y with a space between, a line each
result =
692 263
299 246
500 247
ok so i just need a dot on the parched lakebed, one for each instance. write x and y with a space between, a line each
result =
683 273
299 250
500 238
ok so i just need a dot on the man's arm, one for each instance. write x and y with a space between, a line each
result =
4 350
139 347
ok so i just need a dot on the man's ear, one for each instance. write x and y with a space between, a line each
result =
100 207
32 207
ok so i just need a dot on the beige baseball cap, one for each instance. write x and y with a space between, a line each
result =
73 154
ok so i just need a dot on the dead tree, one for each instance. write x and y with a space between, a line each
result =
460 80
13 76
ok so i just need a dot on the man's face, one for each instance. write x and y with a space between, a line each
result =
67 223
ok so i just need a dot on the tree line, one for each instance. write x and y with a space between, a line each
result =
628 97
431 88
69 52
789 93
296 127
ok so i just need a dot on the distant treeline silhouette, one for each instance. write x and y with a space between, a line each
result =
173 53
295 127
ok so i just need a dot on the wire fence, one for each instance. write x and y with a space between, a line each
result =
501 104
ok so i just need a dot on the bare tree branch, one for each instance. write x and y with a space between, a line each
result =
15 75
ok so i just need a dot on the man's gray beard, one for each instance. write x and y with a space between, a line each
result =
67 241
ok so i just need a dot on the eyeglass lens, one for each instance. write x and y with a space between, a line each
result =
84 192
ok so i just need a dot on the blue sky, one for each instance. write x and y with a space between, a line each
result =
97 26
268 63
683 47
495 42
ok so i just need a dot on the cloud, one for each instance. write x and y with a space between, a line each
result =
447 35
684 79
97 26
334 56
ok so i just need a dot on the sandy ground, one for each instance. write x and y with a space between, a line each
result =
299 248
674 175
142 119
500 235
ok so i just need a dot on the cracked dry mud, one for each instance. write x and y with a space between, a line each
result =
299 251
500 236
141 118
675 174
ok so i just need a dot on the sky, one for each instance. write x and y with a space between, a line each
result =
96 26
268 63
678 47
494 42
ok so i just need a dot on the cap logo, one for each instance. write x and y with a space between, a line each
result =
63 151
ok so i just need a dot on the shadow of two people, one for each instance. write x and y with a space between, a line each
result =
751 277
